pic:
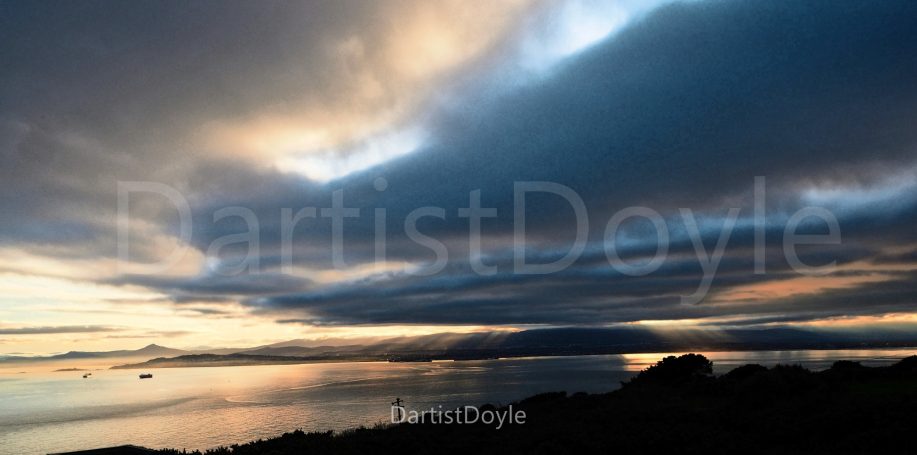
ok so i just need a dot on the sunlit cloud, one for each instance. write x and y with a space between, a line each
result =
329 276
385 76
894 190
902 321
388 82
796 286
576 25
373 150
627 102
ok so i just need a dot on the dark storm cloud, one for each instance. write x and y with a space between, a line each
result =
583 294
685 108
202 288
101 91
682 109
94 92
588 303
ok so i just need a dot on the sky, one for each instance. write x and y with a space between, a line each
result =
221 173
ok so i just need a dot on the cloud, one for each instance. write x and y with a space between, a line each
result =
683 109
46 330
153 334
681 106
103 92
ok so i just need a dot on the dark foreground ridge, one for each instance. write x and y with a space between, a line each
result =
676 406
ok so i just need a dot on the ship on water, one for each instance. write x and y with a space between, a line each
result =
146 375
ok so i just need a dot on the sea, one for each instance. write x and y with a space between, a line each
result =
204 407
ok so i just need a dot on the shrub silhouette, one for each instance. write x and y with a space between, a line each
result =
744 372
846 365
675 370
907 365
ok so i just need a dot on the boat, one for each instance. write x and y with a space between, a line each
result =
85 375
146 375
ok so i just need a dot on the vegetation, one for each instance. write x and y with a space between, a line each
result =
675 406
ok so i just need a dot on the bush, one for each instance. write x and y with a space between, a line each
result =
675 370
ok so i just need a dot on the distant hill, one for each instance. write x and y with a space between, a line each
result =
149 351
552 341
540 342
322 342
304 351
561 341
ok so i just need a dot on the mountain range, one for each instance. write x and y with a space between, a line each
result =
555 341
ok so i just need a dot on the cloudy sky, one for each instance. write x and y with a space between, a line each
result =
407 111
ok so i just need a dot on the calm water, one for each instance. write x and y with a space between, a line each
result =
198 408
